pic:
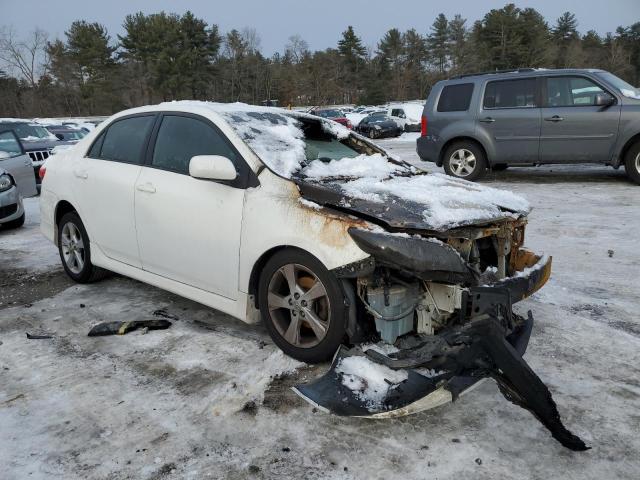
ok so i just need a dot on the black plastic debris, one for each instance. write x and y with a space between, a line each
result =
120 328
162 312
38 337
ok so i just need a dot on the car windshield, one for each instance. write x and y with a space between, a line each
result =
329 113
28 131
623 87
378 117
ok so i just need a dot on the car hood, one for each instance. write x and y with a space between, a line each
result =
31 145
447 203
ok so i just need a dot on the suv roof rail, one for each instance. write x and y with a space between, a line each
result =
508 70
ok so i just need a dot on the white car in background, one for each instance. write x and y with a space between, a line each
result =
407 115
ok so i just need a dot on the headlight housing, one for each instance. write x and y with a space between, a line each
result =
5 182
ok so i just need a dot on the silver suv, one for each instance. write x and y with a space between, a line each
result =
529 117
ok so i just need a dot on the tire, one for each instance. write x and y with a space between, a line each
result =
632 162
372 133
499 167
466 160
311 326
16 223
74 248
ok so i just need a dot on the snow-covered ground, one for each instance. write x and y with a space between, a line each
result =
210 398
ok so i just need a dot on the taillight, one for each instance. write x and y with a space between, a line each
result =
349 125
423 126
42 172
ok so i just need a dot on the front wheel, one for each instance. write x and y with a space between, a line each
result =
75 250
302 306
372 133
632 162
465 160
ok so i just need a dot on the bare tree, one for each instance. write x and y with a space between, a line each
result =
28 57
296 48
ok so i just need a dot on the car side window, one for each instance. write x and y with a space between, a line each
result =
520 93
397 112
455 98
181 138
571 92
9 145
125 139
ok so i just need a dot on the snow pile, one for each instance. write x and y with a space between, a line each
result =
309 203
369 381
448 202
371 166
4 154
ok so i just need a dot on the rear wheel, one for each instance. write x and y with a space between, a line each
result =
16 223
466 160
632 162
302 306
75 250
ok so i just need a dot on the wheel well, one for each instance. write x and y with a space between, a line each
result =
62 209
627 146
458 139
257 268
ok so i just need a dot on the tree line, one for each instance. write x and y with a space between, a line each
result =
165 56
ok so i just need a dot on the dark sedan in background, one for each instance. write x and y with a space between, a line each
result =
379 125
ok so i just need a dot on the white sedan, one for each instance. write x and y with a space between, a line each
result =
276 215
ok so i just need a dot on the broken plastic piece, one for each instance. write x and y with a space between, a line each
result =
120 328
38 337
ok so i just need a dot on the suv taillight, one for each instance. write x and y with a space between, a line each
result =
423 126
42 172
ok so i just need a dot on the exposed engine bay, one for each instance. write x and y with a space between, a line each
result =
431 316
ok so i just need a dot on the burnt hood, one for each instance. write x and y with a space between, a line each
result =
400 213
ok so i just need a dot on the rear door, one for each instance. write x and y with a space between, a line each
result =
14 160
574 129
104 183
510 117
188 228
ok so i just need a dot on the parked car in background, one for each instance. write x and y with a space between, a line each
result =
335 115
407 115
16 180
472 123
378 125
66 133
36 140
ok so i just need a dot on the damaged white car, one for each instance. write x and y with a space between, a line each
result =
337 246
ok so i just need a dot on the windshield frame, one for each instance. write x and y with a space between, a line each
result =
619 85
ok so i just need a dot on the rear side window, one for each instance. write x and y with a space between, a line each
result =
181 138
519 93
397 112
9 145
455 98
125 140
571 92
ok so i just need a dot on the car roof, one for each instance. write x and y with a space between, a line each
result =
520 72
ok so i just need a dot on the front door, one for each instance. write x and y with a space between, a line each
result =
104 184
574 129
510 116
189 229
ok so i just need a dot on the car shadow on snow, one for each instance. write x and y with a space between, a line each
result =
551 174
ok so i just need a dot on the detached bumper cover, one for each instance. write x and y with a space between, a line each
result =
487 341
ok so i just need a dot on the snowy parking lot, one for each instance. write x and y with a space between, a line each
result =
210 397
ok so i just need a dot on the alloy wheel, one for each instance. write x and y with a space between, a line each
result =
463 162
637 162
299 305
72 246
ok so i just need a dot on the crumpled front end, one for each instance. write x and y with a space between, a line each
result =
439 311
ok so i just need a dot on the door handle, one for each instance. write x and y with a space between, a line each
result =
146 187
555 118
81 174
487 120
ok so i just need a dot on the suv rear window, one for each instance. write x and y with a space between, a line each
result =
455 98
510 94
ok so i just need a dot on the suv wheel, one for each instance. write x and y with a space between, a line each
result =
302 306
75 250
632 162
465 160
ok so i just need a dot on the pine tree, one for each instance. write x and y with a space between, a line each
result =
458 42
438 42
564 35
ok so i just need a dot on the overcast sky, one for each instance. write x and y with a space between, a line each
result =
319 22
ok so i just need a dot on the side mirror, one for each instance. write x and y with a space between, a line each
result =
212 167
604 100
